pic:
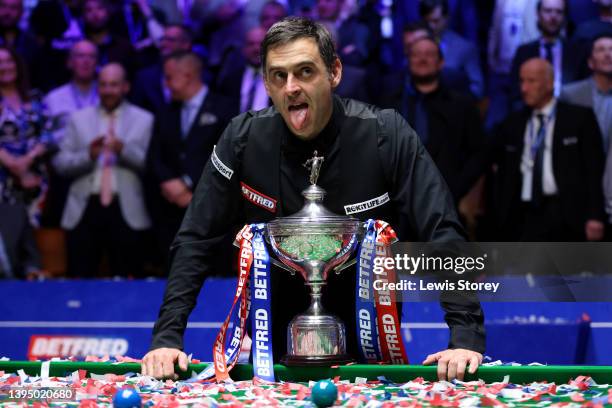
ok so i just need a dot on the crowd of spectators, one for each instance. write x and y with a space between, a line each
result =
110 109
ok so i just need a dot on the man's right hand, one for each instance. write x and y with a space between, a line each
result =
95 147
173 189
159 363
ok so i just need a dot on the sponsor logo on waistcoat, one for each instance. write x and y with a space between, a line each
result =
220 166
366 205
257 198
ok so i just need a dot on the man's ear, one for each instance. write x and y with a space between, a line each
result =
336 73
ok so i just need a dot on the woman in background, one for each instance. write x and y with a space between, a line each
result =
26 139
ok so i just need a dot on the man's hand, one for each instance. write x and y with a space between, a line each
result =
115 145
37 274
30 180
159 363
452 363
594 230
17 165
173 189
95 147
184 199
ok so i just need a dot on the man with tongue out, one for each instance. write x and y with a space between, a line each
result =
374 167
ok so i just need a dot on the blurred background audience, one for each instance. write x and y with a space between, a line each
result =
511 98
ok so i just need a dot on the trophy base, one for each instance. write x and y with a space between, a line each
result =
316 361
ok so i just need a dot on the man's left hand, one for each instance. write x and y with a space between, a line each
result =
115 145
452 363
594 230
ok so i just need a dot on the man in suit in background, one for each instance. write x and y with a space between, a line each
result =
459 54
185 133
447 122
596 92
550 162
149 91
567 60
240 75
104 151
353 39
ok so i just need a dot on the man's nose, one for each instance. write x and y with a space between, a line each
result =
293 86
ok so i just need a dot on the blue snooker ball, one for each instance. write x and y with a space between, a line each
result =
324 393
127 398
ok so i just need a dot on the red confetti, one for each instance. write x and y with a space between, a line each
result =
577 397
488 402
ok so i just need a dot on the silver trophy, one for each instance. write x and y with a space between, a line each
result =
313 242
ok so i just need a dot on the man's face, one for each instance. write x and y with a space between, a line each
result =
95 14
82 61
10 13
112 86
410 37
424 59
176 79
270 14
436 20
600 61
173 40
537 85
551 17
252 45
300 86
329 9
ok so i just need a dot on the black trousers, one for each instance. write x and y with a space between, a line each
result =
103 231
547 223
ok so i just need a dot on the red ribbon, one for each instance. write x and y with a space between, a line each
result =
245 259
389 325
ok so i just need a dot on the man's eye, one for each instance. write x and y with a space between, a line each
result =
306 72
279 75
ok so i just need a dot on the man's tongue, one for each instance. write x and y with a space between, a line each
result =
298 115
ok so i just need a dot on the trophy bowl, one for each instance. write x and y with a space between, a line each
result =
313 242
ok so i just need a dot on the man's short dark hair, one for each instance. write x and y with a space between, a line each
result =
565 7
428 6
432 39
290 29
599 37
415 26
187 56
